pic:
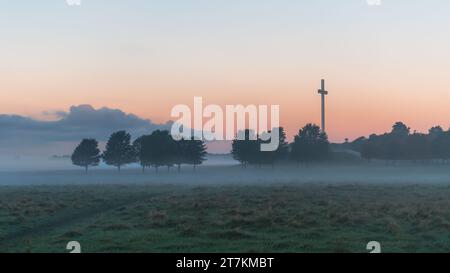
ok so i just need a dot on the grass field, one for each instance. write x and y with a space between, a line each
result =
270 218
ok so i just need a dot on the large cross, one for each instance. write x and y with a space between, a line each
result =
323 92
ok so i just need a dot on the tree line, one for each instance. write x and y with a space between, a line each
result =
310 144
402 144
156 150
159 149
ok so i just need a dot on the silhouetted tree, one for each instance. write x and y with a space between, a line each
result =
400 130
181 153
367 147
310 144
283 146
395 144
400 144
86 154
357 145
440 147
137 146
418 147
158 149
195 153
435 132
245 148
271 157
119 151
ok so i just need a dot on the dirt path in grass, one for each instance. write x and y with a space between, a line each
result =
66 220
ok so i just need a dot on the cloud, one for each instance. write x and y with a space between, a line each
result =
55 114
24 135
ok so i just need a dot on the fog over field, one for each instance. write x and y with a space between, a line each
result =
218 170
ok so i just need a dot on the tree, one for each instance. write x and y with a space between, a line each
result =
400 144
367 147
283 146
119 151
440 147
310 144
86 154
245 148
137 146
195 153
158 149
435 132
418 147
182 153
358 144
281 153
396 142
400 130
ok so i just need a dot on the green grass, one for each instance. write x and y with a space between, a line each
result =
278 218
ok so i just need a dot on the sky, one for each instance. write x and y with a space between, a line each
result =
382 63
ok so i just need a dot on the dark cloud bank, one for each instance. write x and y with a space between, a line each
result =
23 135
